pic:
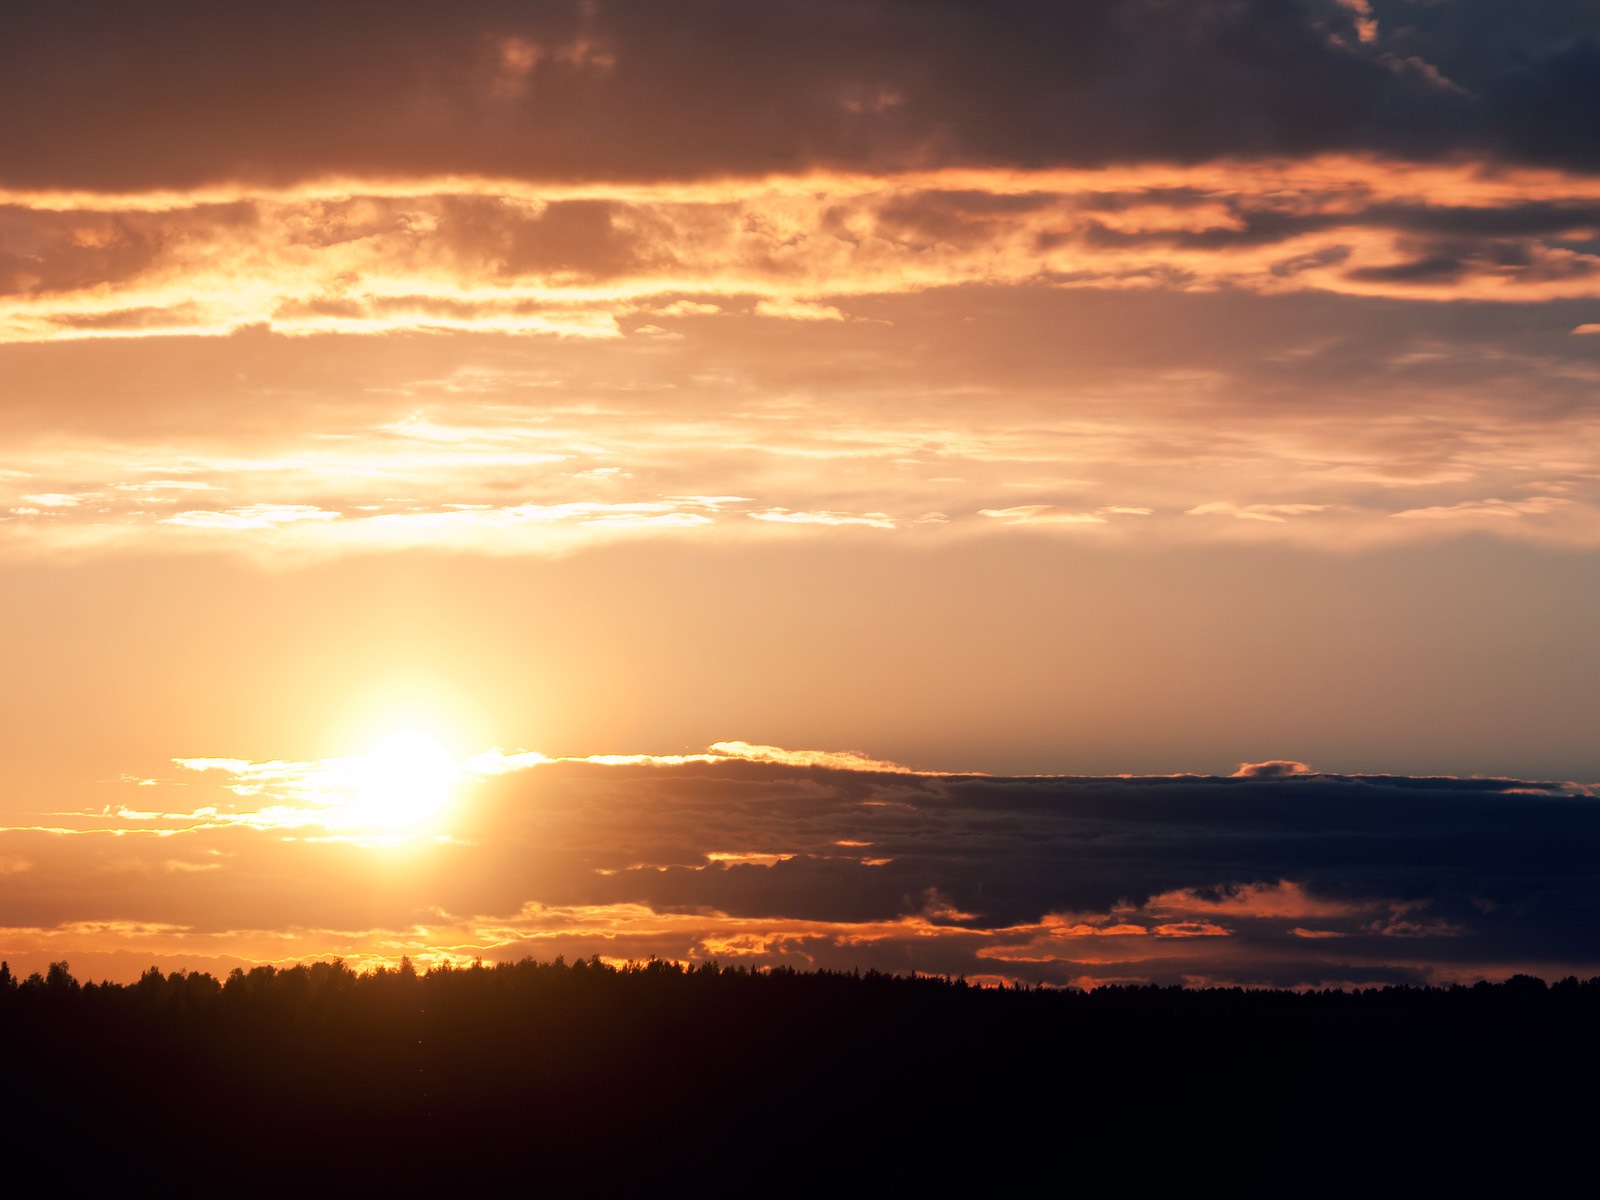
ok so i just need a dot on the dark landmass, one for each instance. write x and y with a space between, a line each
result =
589 1079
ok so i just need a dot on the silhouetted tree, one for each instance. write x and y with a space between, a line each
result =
625 1065
59 978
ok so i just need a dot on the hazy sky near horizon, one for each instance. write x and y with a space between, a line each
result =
1114 387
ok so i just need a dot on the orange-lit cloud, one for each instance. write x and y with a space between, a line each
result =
1277 768
499 256
1283 899
701 398
474 465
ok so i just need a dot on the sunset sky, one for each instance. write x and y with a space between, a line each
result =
631 477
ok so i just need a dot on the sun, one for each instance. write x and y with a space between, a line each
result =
405 779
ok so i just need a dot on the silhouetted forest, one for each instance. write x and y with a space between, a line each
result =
585 1078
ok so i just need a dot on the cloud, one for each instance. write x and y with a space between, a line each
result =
970 403
785 516
1277 768
1532 506
252 516
680 90
845 760
688 308
798 310
832 859
1048 514
1040 514
52 500
1279 899
1277 513
572 260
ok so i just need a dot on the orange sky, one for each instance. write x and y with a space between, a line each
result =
1016 391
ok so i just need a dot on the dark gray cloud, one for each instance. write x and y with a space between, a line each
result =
1479 857
1532 70
179 92
1289 879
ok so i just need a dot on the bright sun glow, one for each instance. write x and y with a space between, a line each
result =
405 779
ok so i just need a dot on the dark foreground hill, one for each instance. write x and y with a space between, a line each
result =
582 1078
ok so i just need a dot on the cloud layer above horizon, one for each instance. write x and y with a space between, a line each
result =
1278 876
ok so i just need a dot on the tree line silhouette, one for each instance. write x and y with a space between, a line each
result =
593 1078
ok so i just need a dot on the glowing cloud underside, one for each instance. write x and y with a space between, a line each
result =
505 257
